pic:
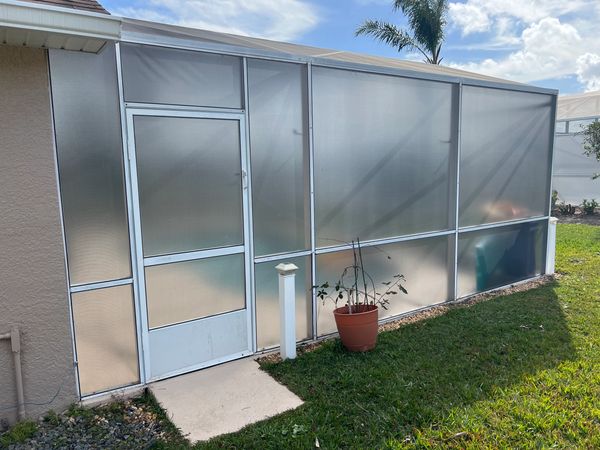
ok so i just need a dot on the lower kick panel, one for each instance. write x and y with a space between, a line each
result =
190 346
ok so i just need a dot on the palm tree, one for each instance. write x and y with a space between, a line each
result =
426 19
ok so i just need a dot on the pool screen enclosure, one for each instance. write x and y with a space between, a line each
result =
574 173
191 163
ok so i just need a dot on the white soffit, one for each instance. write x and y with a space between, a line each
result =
37 25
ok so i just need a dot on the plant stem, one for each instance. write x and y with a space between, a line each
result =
362 268
355 267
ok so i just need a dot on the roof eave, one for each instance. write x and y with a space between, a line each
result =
44 26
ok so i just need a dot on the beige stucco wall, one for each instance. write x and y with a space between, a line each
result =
33 292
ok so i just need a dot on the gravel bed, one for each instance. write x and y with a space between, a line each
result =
123 424
578 217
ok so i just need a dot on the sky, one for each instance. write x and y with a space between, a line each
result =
548 43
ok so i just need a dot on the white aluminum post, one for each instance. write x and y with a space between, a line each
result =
551 250
287 309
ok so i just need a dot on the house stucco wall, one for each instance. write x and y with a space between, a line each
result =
33 286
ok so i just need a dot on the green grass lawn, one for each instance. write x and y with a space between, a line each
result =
520 371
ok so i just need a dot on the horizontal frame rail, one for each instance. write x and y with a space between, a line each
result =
507 223
376 242
192 256
281 256
170 107
101 285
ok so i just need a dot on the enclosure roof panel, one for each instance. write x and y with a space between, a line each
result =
579 106
150 32
84 5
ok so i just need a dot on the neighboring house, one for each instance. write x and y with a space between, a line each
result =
152 176
572 170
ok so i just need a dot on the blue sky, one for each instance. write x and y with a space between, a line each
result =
551 43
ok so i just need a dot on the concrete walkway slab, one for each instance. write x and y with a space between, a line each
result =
222 399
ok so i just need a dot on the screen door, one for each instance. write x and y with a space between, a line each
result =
189 180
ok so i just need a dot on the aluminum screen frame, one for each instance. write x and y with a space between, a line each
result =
384 156
191 290
175 69
92 177
424 263
100 344
505 137
495 257
313 252
267 302
279 147
186 182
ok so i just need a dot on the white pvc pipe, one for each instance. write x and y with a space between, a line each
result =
551 249
15 343
287 309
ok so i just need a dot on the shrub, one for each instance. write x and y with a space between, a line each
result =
18 434
589 207
591 142
566 209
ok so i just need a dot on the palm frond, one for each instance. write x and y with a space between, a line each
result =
387 33
427 19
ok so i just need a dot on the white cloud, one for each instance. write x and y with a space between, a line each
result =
280 20
547 39
547 52
588 71
475 16
469 18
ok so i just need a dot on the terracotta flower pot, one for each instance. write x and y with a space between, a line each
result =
358 331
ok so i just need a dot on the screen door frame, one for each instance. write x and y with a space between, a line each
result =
142 262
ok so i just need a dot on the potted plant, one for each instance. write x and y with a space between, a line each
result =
357 320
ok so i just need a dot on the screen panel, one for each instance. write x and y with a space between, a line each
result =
573 172
425 263
105 337
578 126
505 155
90 164
569 158
190 183
267 302
279 148
180 77
184 291
561 127
496 257
384 155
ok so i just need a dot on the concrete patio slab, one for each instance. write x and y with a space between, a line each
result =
222 399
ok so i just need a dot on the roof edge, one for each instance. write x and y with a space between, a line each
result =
53 25
133 32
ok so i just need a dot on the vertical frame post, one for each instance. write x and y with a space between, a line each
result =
62 224
551 233
249 219
137 266
311 165
457 202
